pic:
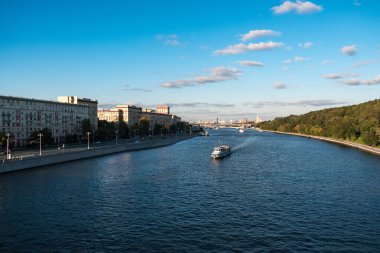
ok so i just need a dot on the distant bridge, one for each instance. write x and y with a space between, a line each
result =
231 125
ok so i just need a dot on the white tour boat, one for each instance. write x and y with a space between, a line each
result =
241 130
221 151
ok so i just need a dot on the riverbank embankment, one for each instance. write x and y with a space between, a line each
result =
27 162
363 147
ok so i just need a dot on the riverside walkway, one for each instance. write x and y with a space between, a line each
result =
363 147
26 159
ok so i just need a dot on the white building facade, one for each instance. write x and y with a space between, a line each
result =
132 115
22 116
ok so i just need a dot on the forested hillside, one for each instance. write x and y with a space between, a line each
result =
359 123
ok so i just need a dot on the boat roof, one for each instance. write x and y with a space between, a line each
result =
222 147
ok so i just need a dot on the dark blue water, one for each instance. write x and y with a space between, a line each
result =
275 192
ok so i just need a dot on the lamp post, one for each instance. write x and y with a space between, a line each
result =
88 140
8 134
40 135
116 131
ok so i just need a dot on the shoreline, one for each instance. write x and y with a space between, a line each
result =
351 144
9 166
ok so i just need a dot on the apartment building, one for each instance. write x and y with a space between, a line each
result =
131 115
22 116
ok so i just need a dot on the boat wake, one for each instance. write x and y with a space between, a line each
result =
244 144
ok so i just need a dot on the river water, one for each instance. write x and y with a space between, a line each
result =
275 192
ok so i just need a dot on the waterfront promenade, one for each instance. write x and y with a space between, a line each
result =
30 158
363 147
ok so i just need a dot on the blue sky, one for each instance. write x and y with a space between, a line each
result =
207 59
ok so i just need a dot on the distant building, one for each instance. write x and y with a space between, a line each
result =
131 115
243 121
22 116
258 119
113 115
163 109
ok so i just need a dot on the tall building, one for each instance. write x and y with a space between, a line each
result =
163 109
258 119
91 104
113 115
131 115
243 121
22 116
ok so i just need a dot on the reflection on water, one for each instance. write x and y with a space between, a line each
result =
274 192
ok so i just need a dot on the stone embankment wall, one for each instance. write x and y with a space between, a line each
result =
66 156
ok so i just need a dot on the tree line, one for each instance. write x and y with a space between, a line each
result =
359 123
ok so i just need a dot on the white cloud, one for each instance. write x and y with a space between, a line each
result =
316 103
218 74
357 3
339 76
356 82
251 63
169 39
300 7
200 104
296 59
349 50
363 63
306 45
242 48
279 86
254 34
327 62
127 87
334 76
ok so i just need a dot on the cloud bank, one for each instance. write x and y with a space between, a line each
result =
296 59
129 88
299 7
279 86
251 63
169 39
349 50
242 48
219 74
316 103
363 63
306 45
339 76
254 34
200 104
357 82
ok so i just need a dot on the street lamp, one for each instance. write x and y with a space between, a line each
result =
116 131
8 135
40 135
88 140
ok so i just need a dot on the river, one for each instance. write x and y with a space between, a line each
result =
274 192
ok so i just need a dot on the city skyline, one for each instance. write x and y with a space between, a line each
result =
204 59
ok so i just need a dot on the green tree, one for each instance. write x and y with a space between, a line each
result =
86 127
123 130
46 138
356 123
134 130
143 127
4 138
157 129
